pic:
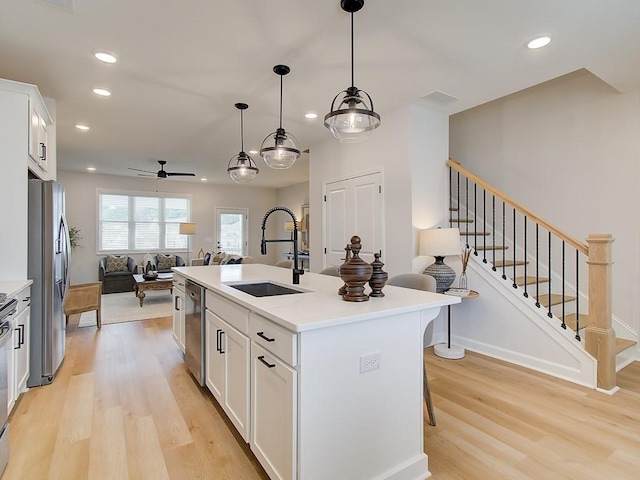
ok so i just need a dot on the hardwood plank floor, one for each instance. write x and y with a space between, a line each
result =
123 406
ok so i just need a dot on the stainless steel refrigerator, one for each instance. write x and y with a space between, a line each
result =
49 251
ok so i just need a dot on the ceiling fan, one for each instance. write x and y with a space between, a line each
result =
162 173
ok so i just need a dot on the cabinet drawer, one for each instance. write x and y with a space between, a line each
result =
24 300
178 282
232 313
279 341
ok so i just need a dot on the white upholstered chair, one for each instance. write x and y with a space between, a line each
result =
332 270
418 281
285 264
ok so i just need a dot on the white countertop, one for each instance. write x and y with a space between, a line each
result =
11 288
319 307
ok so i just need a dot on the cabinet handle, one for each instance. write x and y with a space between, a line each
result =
218 332
175 304
20 330
262 335
221 344
261 358
43 157
26 299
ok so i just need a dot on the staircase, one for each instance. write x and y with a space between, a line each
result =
542 263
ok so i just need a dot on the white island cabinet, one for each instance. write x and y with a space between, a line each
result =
320 388
178 310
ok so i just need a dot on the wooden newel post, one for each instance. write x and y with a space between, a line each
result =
600 338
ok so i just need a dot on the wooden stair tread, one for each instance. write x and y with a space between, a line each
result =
460 220
509 263
474 234
554 299
453 209
570 320
492 247
530 280
622 344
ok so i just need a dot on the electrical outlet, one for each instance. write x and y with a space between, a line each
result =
369 362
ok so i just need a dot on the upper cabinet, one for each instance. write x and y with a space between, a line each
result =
21 137
39 149
41 141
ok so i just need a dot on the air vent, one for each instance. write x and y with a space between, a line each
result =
63 4
439 98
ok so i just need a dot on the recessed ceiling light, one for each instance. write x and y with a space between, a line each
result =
82 127
102 92
91 169
253 152
203 179
311 115
539 42
106 57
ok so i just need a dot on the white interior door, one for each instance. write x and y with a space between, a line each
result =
353 206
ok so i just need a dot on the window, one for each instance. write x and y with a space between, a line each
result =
232 230
141 222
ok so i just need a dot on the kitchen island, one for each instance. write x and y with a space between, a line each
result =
320 388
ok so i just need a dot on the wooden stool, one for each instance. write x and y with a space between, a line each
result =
84 297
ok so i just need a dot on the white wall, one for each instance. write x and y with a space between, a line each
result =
569 150
81 198
411 149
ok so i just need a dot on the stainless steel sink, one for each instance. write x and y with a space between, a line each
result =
264 289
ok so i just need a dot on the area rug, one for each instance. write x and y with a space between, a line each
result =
125 307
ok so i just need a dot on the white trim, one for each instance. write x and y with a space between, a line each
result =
245 229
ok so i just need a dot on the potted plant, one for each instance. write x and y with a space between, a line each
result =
74 238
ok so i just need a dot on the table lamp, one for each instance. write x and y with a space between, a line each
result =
438 243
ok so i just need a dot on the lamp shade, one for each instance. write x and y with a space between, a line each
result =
440 242
187 228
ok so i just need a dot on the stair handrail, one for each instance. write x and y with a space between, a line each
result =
525 211
600 337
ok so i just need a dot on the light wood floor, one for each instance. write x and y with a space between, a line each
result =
124 407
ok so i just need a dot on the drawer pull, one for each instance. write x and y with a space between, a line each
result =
218 332
262 335
261 358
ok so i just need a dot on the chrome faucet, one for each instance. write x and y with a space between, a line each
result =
263 244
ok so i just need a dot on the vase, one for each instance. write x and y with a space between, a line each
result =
462 281
378 277
355 273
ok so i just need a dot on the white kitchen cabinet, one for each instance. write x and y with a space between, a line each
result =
178 310
38 137
18 354
318 409
273 413
227 359
16 101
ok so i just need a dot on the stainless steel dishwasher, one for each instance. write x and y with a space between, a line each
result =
194 356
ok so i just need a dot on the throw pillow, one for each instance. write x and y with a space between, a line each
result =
165 262
117 263
217 258
231 259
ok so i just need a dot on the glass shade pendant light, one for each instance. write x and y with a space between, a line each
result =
241 167
280 149
354 118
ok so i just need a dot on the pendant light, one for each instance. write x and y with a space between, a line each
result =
354 119
280 149
241 167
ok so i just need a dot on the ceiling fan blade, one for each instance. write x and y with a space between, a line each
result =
147 175
138 170
174 174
